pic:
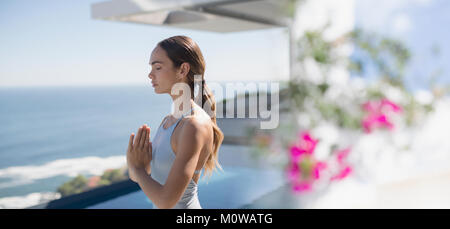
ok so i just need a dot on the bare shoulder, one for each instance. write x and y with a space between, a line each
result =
198 126
195 134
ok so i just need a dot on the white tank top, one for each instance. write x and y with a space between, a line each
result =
162 160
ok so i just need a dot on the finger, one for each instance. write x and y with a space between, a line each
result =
147 137
138 138
142 141
150 149
130 143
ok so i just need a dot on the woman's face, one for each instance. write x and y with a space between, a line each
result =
163 74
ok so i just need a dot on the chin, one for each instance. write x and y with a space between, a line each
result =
157 91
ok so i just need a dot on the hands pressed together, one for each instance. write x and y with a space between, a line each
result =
139 152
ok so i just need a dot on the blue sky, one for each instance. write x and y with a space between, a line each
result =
51 42
421 25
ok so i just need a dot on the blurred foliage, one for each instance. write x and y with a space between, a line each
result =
373 55
313 45
321 99
74 186
112 176
385 57
289 6
389 57
80 183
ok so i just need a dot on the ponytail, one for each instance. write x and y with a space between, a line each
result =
208 104
182 49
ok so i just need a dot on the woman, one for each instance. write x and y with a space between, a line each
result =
185 142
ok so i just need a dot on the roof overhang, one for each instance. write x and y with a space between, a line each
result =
208 15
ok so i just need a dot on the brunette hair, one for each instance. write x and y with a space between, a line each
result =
182 49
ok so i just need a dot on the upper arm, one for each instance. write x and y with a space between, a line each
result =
189 145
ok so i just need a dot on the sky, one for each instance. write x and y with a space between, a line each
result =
53 43
421 25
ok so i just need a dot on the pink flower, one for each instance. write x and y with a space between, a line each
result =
319 167
342 154
342 174
369 123
373 121
296 152
370 106
386 102
302 187
376 107
383 121
293 172
307 143
377 116
302 153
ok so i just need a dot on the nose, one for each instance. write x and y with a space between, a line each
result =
150 75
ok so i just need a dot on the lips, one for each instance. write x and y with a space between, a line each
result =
153 84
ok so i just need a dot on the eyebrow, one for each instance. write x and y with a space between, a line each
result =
156 62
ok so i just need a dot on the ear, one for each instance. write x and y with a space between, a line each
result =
184 69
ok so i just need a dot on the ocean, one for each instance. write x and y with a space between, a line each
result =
48 135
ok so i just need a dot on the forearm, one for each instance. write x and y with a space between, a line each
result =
152 189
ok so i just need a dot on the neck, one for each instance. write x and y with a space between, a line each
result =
180 105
